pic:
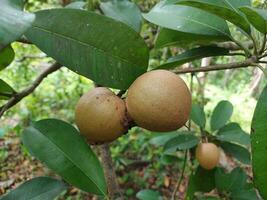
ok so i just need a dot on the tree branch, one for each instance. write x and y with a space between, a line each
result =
233 46
246 63
113 186
19 96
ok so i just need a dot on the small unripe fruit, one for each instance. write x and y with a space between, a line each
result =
208 155
101 116
159 100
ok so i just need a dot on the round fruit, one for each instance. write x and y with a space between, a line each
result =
159 100
101 115
208 155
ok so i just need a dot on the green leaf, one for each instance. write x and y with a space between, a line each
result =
7 55
40 188
234 181
60 146
259 144
124 11
167 159
198 115
148 195
221 114
161 138
240 153
168 37
196 182
77 5
193 54
226 9
13 21
249 194
100 48
5 90
257 17
233 133
183 141
187 20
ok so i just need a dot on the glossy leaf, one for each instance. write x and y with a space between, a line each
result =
233 133
234 181
161 138
221 114
50 141
196 182
148 195
13 21
100 48
124 11
7 55
183 141
5 90
257 17
187 20
40 188
226 9
77 5
240 153
198 115
249 194
193 54
259 144
168 37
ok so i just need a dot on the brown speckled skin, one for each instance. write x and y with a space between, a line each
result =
208 155
159 101
101 115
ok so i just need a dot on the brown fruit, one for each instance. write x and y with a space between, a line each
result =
159 100
208 155
101 115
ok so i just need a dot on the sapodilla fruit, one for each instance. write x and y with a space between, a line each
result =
208 155
159 100
101 116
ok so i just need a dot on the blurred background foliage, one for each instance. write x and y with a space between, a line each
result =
57 96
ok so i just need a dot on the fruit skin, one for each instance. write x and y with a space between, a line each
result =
159 100
101 116
208 155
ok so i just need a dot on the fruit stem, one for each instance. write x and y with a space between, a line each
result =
110 175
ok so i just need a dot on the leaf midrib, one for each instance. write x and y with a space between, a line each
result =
61 150
85 44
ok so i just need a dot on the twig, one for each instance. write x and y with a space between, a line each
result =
246 63
263 44
181 177
19 96
113 186
233 46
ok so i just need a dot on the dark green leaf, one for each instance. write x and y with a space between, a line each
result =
148 195
77 5
250 194
221 114
187 20
161 138
196 183
100 48
124 11
183 141
233 133
257 17
13 21
7 55
193 54
234 181
40 188
50 141
226 9
259 144
240 153
198 115
168 37
5 90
